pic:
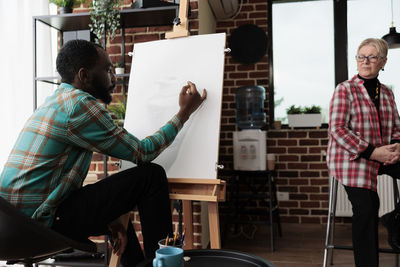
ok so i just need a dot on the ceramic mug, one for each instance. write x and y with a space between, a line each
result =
168 257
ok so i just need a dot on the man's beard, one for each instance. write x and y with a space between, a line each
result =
102 93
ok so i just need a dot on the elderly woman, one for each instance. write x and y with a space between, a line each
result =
364 136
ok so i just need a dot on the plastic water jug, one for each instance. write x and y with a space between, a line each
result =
250 107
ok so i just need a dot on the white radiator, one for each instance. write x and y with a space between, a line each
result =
385 192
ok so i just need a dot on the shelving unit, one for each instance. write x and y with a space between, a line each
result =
130 18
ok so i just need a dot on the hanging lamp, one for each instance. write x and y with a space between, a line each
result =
393 37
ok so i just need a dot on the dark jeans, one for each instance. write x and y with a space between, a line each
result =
87 211
365 206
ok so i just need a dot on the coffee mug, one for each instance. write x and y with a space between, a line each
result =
168 257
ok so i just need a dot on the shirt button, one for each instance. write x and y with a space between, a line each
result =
57 218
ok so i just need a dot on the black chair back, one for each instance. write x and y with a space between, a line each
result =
23 239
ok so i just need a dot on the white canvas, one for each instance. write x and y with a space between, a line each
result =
159 71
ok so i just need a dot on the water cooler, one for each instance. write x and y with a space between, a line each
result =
249 144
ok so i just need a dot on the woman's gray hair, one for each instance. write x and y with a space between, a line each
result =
380 45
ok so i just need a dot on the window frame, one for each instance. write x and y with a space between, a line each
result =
340 49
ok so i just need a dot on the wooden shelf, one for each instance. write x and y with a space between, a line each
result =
140 17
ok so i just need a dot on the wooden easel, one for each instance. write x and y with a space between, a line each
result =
188 190
209 190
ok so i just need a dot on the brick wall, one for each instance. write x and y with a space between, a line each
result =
301 168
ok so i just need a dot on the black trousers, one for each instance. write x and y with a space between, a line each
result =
365 206
87 211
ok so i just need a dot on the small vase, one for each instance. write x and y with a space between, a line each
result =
119 70
65 9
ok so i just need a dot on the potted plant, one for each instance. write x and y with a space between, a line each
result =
119 68
118 110
66 6
105 19
304 117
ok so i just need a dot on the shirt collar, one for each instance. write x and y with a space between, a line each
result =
66 85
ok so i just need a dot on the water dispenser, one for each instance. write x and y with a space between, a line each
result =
249 144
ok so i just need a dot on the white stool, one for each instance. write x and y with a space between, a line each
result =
330 227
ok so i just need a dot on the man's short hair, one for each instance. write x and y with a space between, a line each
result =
75 54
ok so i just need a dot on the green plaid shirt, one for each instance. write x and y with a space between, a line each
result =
53 152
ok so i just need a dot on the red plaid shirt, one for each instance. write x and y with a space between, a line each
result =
353 124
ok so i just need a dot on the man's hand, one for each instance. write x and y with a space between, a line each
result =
119 236
189 101
388 154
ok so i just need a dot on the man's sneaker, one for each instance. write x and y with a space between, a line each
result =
391 221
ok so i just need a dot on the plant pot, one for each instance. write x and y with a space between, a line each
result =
304 120
277 125
65 9
119 70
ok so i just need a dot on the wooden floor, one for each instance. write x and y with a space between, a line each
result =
301 245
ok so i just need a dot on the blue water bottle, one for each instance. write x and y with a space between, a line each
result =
250 107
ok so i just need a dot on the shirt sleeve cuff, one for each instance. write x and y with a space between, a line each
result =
395 141
177 122
366 154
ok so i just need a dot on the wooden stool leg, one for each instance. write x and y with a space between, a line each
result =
213 221
188 223
115 260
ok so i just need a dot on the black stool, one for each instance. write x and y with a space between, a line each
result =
330 227
270 197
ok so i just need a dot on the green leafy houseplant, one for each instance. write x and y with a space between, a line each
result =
312 110
66 6
294 110
66 3
105 19
119 64
304 117
118 110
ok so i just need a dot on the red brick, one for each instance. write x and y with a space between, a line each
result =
295 166
297 134
258 74
323 181
316 150
240 75
309 189
309 174
288 174
256 15
277 134
246 67
310 158
307 142
309 204
321 166
277 150
287 142
288 204
288 158
297 150
136 30
146 38
323 134
298 197
298 182
319 197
